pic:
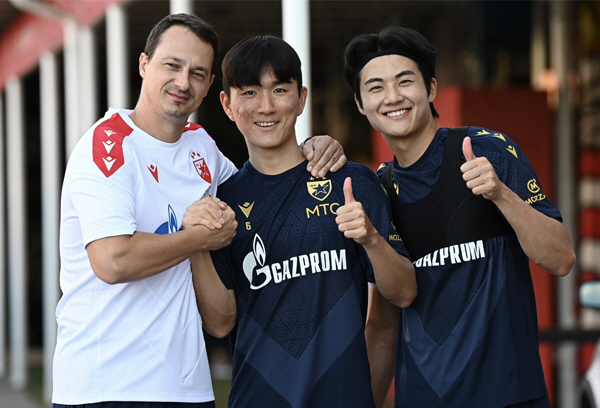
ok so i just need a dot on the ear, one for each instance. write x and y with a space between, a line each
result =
303 96
360 109
143 64
432 89
226 103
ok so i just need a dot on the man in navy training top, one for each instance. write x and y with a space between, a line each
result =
471 212
295 277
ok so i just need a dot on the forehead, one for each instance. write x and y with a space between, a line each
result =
388 66
180 42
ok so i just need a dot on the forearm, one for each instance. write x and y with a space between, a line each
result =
543 239
129 258
394 273
381 332
216 303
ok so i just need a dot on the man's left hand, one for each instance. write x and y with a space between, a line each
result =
324 154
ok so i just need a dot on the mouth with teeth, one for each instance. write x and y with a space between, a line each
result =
396 113
265 124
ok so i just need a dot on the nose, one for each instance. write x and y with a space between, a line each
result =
266 104
182 80
393 95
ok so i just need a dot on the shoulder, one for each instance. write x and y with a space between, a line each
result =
383 166
193 131
487 141
102 146
354 171
230 185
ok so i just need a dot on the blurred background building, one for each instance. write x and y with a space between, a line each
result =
530 69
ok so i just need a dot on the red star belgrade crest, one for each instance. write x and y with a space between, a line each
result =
201 167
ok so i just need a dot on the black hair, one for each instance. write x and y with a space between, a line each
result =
245 62
196 25
390 40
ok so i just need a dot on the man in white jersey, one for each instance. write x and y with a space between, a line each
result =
129 332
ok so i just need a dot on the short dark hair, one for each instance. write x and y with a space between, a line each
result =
390 40
201 28
246 61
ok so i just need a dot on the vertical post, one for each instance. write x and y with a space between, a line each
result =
296 32
2 252
538 45
116 58
50 165
560 58
16 229
87 97
180 6
71 86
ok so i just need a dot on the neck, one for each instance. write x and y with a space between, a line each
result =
277 160
409 149
161 128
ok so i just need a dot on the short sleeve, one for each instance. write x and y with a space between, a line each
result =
513 168
104 206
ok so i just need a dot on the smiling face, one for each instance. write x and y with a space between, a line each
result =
394 97
177 77
266 113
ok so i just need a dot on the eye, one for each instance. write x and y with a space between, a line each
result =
406 82
375 88
249 92
198 75
280 90
171 65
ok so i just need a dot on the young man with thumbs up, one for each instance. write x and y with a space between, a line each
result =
462 206
294 278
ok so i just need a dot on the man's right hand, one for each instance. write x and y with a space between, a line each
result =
215 215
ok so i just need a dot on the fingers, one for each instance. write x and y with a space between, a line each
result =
468 149
348 194
325 154
207 212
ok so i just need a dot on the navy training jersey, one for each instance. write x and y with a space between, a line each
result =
470 338
301 288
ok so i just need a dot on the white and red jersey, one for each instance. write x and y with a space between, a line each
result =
142 340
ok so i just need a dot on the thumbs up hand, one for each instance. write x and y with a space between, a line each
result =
352 219
479 174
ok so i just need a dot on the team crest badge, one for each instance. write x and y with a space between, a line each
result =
319 189
201 167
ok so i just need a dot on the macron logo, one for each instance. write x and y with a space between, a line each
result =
154 171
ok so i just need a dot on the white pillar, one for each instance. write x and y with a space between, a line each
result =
17 270
71 86
116 57
50 165
87 97
2 252
561 51
181 6
296 32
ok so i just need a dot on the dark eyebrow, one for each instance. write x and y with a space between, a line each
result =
180 61
398 75
406 72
